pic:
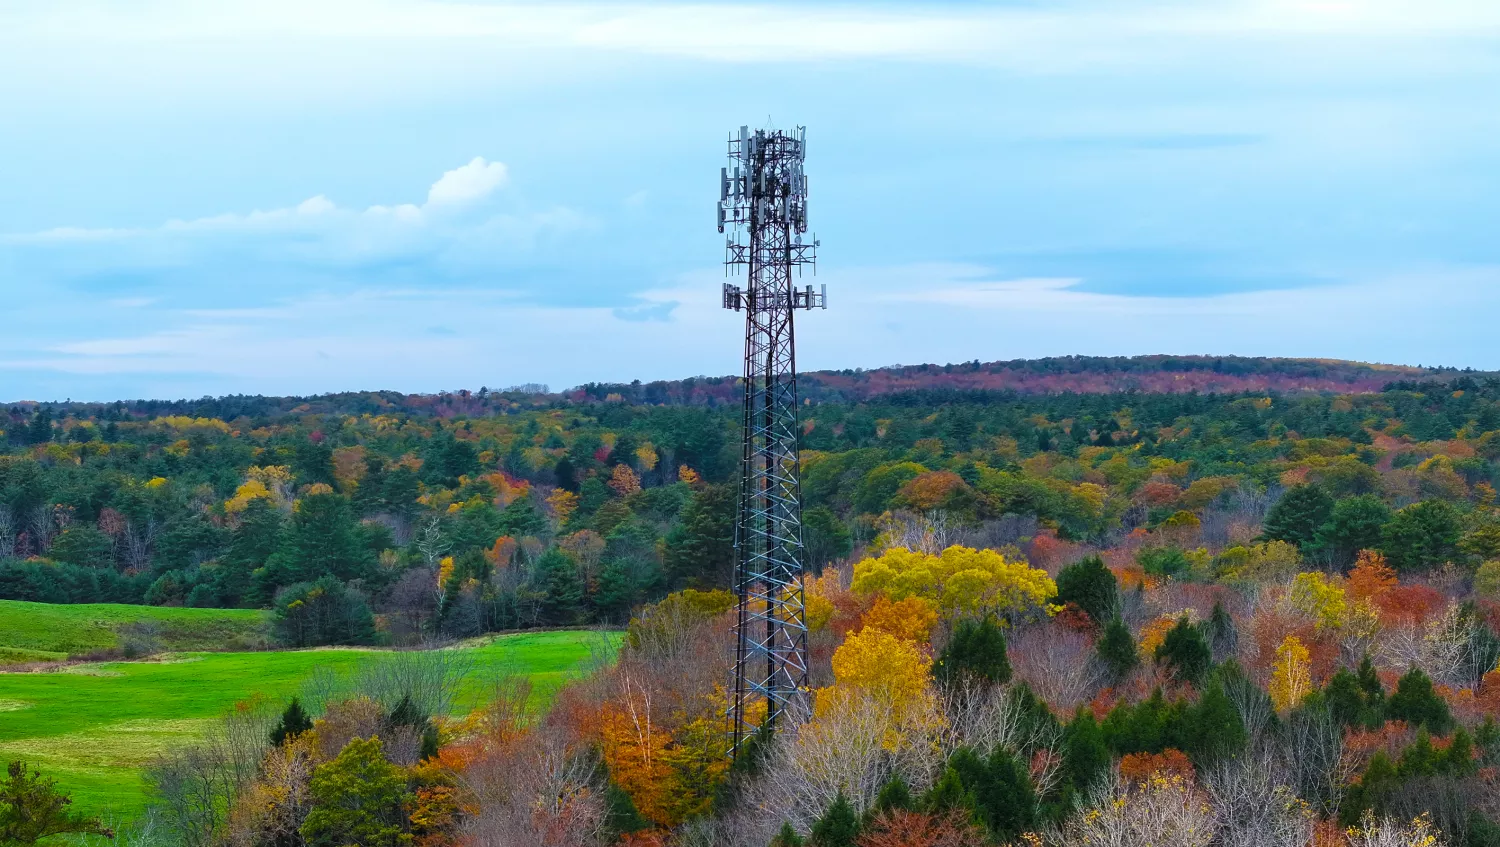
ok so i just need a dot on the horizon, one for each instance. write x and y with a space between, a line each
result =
543 389
291 199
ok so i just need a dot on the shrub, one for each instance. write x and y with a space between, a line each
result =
1091 586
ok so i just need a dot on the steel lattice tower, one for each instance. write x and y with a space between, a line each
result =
763 199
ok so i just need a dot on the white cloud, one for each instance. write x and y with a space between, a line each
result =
474 181
462 224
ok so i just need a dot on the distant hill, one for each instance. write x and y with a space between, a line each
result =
1065 374
1074 374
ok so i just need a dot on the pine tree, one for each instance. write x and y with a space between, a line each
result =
1214 729
699 551
1299 516
1415 702
1184 652
1223 638
1086 757
976 650
1090 586
895 794
294 722
839 826
787 837
555 577
1117 650
40 429
32 809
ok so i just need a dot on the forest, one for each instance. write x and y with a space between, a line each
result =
1102 607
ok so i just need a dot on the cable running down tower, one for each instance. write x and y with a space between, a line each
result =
763 200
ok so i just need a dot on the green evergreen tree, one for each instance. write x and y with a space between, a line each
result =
1422 535
998 790
895 794
621 817
1222 636
294 721
1355 524
1213 729
1185 653
1299 516
39 431
1415 702
977 651
555 578
948 794
1086 756
521 519
1090 586
321 540
699 551
839 826
1117 651
322 612
787 837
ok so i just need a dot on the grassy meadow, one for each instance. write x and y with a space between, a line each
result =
93 726
45 632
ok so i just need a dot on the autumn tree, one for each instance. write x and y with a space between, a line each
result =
959 580
1291 679
359 798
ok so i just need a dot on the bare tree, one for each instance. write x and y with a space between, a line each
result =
537 791
1058 663
1162 812
431 543
9 529
139 538
1313 749
1386 832
194 788
43 526
854 747
1437 647
1255 809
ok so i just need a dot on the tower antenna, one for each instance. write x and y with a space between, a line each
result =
763 202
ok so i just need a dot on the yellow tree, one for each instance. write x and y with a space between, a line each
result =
911 619
882 664
959 580
1292 678
1313 594
624 481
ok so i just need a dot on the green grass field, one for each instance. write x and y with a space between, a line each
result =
93 727
42 631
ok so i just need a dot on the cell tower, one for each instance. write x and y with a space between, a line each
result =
763 199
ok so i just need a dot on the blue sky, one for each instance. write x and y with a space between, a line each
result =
294 197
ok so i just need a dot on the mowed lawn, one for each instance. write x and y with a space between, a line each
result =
93 727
